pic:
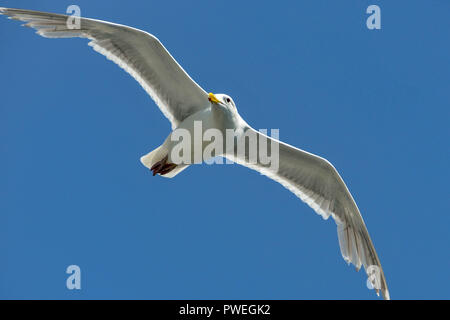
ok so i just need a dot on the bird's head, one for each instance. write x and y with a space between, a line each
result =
222 100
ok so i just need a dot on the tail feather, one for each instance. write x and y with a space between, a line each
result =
158 154
152 157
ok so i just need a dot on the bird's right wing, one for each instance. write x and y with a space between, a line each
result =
139 53
315 181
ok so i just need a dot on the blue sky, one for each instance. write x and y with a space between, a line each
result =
73 126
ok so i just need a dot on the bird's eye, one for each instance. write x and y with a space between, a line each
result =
228 99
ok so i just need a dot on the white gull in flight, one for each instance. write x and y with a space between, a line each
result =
313 179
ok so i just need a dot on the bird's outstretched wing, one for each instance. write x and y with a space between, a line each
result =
139 53
315 181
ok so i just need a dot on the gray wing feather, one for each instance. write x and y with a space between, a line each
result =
316 182
139 53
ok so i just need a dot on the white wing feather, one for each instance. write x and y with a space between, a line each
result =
315 181
139 53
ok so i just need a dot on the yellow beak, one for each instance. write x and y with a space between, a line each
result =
212 98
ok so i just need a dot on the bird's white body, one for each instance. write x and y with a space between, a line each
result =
222 117
312 178
204 120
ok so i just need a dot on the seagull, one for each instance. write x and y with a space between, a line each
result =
311 178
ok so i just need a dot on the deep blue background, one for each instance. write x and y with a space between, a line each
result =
73 126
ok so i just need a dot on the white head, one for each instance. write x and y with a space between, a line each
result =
223 106
223 100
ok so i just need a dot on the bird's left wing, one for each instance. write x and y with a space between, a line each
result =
139 53
315 181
